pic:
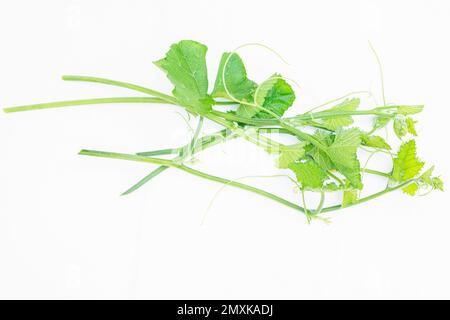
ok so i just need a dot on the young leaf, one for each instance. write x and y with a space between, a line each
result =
411 126
437 183
411 189
406 164
427 180
342 153
341 121
264 88
408 110
235 76
374 141
349 197
246 111
278 97
400 127
309 174
380 122
185 66
320 156
290 154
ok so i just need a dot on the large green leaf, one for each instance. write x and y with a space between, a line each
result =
341 121
406 165
320 156
342 153
290 154
278 97
235 76
309 174
185 66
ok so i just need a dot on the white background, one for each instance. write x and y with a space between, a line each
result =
66 233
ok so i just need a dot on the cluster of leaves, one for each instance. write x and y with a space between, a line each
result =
328 161
323 161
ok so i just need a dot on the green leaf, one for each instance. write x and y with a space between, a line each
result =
426 179
236 81
332 186
411 189
320 156
374 141
246 111
411 126
349 197
380 122
342 153
290 154
279 96
437 183
400 127
309 174
341 121
185 66
406 164
407 110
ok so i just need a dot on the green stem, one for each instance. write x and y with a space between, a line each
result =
169 163
158 152
335 177
188 150
201 144
59 104
371 197
126 85
379 173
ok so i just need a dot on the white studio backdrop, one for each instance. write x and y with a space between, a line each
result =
66 233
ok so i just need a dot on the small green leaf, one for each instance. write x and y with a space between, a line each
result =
185 66
437 183
380 122
342 153
278 98
400 127
411 189
332 186
341 121
374 141
290 154
407 110
426 177
309 174
406 164
411 126
264 88
246 111
320 156
236 81
427 180
349 197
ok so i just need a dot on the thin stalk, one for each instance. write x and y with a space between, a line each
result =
202 144
201 174
169 163
59 104
144 180
321 203
335 177
371 197
126 85
187 151
375 172
158 152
